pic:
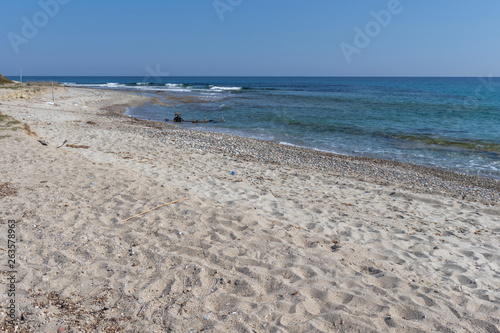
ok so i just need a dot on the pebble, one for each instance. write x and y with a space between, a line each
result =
416 178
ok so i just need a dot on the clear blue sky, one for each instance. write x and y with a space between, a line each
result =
255 37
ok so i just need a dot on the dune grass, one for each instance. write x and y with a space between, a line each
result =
8 123
42 84
4 80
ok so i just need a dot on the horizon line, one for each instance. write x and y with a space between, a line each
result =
325 76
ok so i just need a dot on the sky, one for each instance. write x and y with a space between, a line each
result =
250 37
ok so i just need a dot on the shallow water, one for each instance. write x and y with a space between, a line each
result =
449 123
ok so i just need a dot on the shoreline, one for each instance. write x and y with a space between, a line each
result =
369 169
133 225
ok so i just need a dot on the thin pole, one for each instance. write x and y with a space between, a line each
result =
21 75
52 92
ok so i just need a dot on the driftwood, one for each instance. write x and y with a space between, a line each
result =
169 203
78 146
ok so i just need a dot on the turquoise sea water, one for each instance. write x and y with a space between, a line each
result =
448 123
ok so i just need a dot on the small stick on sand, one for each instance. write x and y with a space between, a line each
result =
78 146
169 203
62 144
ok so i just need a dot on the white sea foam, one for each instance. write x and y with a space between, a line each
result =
176 87
221 89
145 86
99 85
288 144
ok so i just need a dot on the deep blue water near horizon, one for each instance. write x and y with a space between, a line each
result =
448 123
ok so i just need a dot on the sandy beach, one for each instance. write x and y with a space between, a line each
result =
265 237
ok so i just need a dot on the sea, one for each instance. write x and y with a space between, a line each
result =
443 122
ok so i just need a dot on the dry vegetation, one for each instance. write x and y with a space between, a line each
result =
76 313
23 92
8 124
6 190
4 80
42 84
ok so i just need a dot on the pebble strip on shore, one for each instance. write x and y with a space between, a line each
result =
416 178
